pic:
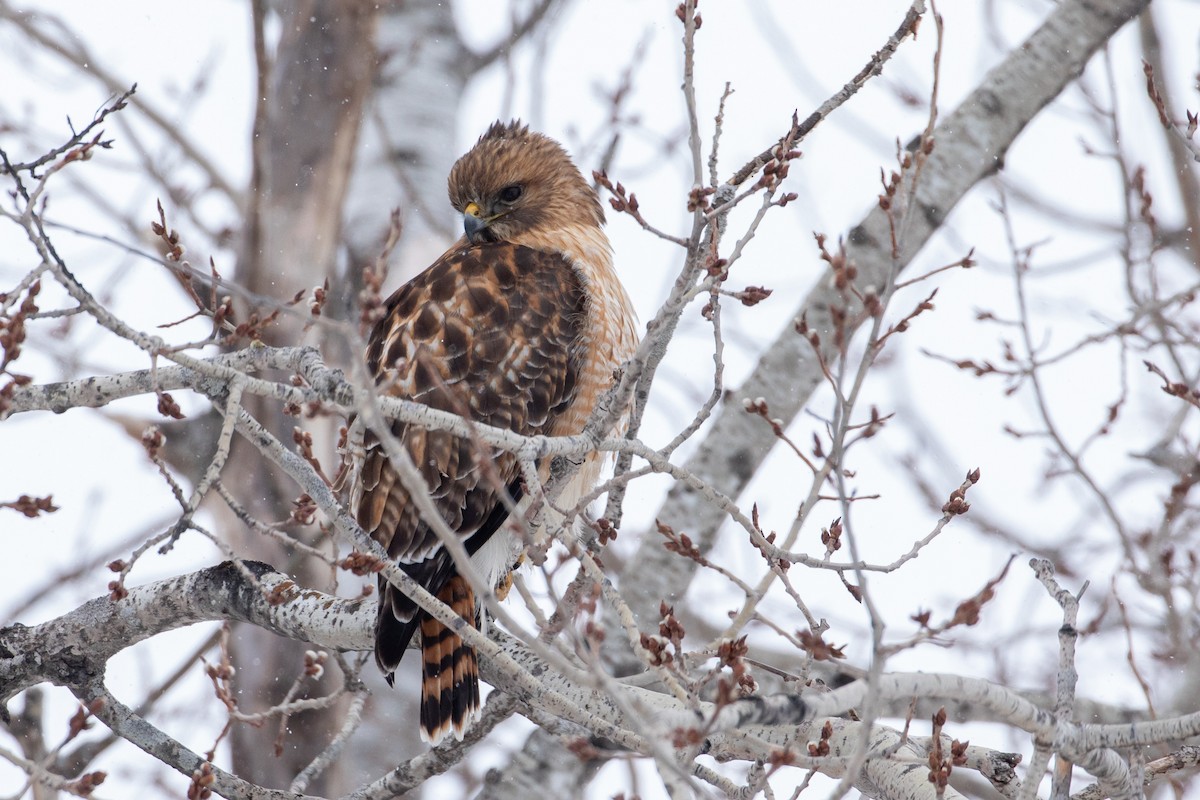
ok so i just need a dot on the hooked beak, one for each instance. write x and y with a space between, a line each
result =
473 223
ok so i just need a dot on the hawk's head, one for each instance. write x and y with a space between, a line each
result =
515 182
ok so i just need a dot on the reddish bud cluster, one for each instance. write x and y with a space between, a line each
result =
605 530
1160 105
782 563
831 537
980 369
686 737
663 648
311 409
801 326
786 198
12 335
172 250
681 14
84 151
314 663
1145 202
957 504
203 778
821 747
776 170
732 651
254 327
153 440
304 510
818 648
589 600
656 650
370 297
320 296
222 312
753 295
967 612
891 184
9 389
85 784
740 681
679 543
589 603
759 406
623 202
922 307
871 303
941 764
1175 505
669 626
818 448
12 329
873 425
698 198
80 719
361 563
32 506
168 407
304 444
1175 388
220 672
844 271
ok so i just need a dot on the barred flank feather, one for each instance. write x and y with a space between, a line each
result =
450 673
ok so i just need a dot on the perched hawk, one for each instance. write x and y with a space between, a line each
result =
519 325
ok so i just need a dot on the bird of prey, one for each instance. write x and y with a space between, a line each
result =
520 325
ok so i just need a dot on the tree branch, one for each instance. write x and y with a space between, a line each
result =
970 145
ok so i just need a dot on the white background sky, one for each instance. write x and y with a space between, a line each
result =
778 56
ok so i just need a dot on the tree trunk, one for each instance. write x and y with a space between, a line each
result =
307 123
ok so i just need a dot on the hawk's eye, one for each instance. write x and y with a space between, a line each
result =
510 194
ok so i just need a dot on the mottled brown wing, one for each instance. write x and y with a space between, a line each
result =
492 332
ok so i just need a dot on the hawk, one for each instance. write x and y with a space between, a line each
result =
520 325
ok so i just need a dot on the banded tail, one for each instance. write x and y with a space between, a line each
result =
449 668
449 671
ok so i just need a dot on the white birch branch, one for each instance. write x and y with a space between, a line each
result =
73 649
